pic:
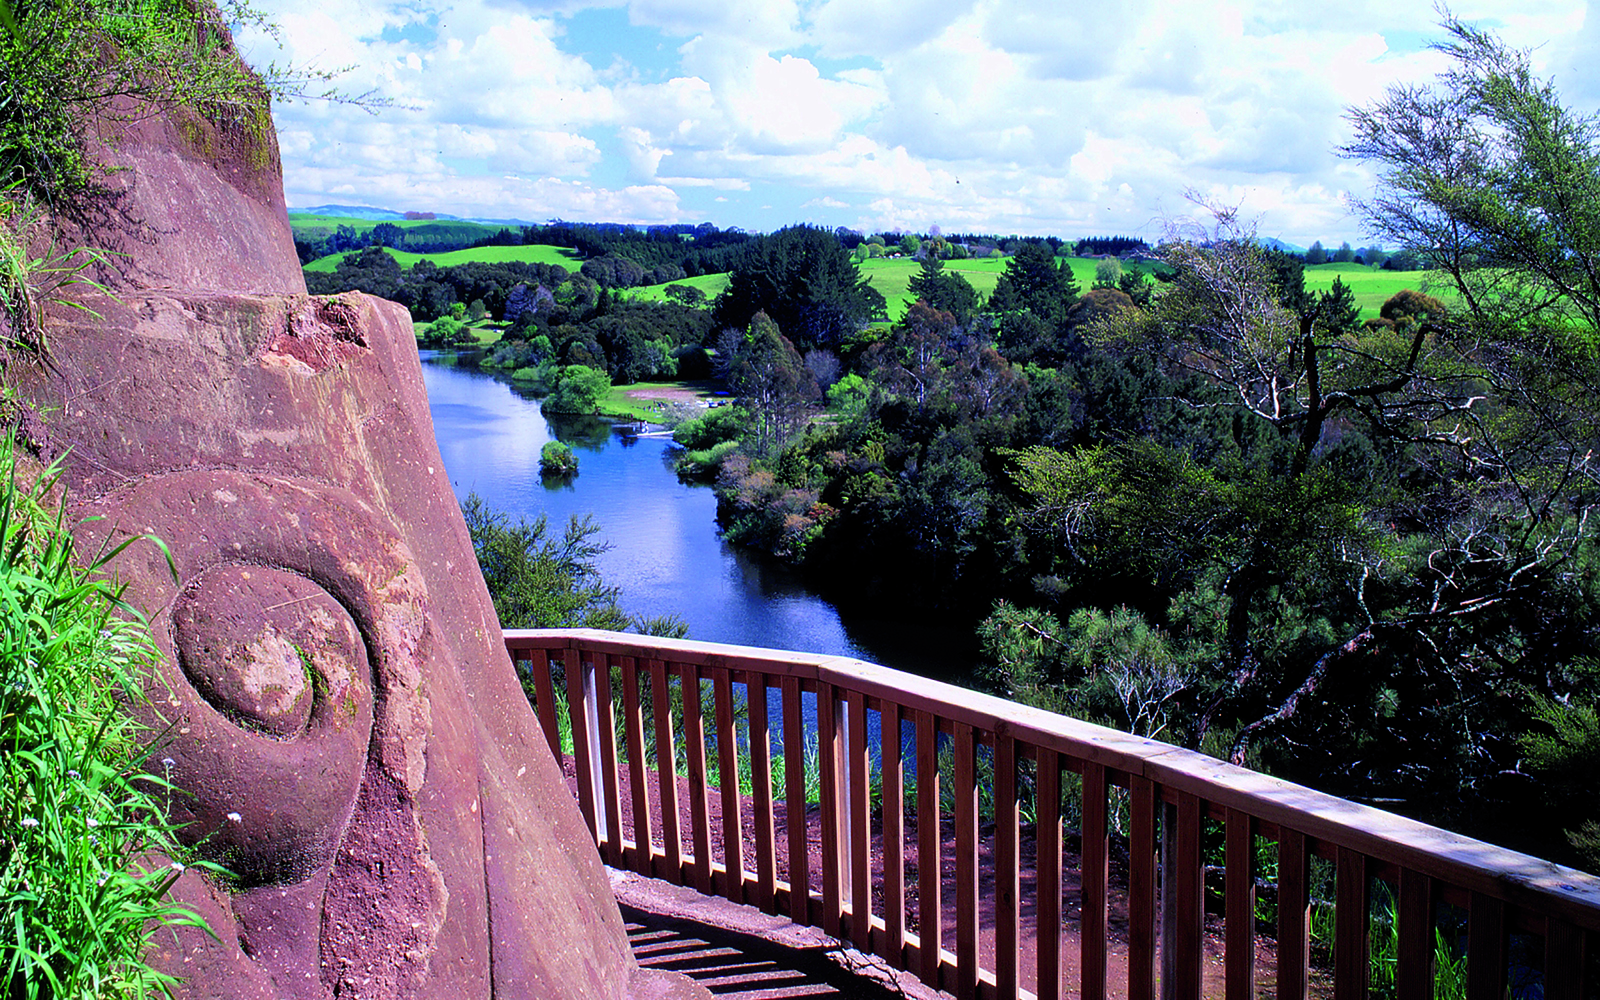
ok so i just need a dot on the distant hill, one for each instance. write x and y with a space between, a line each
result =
1273 243
366 212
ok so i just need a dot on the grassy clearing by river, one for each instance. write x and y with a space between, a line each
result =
647 400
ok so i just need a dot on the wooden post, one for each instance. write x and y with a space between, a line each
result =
1486 948
666 774
609 775
728 778
1294 911
929 883
1350 967
830 759
1007 877
1414 913
582 752
966 798
860 826
633 732
1047 853
1186 882
755 686
894 836
1142 889
1240 901
794 803
1096 878
694 744
544 692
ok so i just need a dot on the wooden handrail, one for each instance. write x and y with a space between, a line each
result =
1171 793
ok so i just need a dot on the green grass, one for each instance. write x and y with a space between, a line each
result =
891 278
537 254
84 873
711 284
1372 286
618 404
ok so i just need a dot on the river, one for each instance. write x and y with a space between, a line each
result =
665 554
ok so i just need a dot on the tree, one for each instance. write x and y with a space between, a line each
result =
944 290
1034 281
1316 255
537 581
772 385
687 295
1344 254
578 389
1107 272
806 283
1288 358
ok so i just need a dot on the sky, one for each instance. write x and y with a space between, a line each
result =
1029 117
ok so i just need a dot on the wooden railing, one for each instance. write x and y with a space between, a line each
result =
1528 923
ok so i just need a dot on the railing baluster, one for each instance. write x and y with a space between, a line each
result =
545 693
1486 948
1188 884
966 804
1294 905
1503 892
633 733
1239 876
1007 869
728 778
1414 911
860 826
605 722
1095 878
694 744
1141 889
578 713
929 845
894 836
666 774
794 805
755 686
1563 961
830 759
1047 885
1351 972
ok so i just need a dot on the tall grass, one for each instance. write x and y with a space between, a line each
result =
84 839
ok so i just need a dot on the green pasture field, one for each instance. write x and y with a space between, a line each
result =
302 220
536 254
891 277
1372 286
711 284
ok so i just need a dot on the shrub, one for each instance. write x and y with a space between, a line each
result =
556 459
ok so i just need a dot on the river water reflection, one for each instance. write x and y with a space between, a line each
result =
665 551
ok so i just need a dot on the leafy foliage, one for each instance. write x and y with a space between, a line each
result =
806 282
83 828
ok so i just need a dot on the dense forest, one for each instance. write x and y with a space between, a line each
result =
1193 501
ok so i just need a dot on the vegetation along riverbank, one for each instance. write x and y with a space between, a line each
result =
1326 516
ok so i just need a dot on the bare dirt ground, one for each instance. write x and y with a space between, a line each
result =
1070 943
666 393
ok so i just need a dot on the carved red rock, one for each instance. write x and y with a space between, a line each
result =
347 729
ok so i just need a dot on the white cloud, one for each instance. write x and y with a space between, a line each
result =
1004 115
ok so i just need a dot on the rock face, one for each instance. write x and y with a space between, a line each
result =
346 730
